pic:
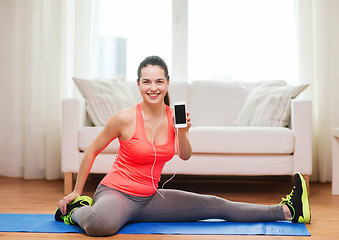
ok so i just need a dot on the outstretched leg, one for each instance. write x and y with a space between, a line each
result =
187 206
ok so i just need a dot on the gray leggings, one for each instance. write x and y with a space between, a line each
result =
112 209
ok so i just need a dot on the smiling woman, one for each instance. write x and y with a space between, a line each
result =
148 139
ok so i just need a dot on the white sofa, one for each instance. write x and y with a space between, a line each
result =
218 147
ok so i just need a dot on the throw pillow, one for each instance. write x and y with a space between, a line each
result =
268 104
104 97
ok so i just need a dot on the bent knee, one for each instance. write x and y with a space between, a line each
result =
101 227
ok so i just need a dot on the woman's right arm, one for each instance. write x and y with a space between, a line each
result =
109 133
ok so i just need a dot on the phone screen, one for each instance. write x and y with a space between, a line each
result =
180 114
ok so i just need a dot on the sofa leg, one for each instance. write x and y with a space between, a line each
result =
68 183
307 180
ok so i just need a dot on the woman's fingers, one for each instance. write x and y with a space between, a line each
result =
63 202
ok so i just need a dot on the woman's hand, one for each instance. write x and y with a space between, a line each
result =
63 202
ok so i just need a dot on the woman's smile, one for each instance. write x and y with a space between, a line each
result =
153 95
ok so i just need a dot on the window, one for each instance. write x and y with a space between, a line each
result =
243 39
225 39
131 30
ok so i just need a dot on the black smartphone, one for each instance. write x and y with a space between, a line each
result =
180 114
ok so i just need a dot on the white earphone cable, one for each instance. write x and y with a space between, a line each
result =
155 153
176 166
154 149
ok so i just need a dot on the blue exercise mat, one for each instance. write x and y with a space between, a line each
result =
35 223
45 223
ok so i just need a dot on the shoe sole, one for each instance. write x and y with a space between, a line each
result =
306 205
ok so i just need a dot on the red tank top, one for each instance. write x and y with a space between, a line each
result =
131 171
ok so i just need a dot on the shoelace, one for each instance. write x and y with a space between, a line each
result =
287 201
288 197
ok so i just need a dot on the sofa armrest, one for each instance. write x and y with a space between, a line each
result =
301 125
70 127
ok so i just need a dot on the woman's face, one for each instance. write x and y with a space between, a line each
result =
153 84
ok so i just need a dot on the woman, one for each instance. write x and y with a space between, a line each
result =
129 191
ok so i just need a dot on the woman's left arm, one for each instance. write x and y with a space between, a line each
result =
183 143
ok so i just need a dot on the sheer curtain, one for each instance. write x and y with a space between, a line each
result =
318 36
39 42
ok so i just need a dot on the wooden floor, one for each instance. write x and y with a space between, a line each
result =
41 196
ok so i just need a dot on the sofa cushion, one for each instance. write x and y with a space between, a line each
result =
268 104
242 140
133 86
87 135
104 97
238 140
216 103
180 91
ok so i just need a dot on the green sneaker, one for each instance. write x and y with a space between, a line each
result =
297 201
76 203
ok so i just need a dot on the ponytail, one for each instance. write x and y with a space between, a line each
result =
167 99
